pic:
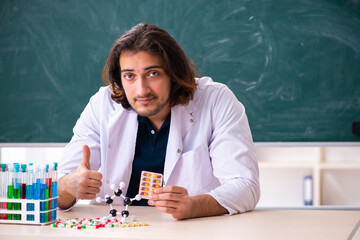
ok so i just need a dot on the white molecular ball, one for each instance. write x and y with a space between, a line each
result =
112 186
137 197
98 199
133 218
123 220
122 185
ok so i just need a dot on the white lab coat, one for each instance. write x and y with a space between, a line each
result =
210 148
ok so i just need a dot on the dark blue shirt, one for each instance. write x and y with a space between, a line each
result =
150 154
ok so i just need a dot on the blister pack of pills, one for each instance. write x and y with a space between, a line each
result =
149 182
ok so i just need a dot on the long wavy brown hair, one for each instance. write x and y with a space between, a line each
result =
154 40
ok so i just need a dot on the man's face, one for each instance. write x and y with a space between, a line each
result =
146 84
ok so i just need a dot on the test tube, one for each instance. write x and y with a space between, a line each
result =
30 191
23 181
10 190
42 192
54 190
43 183
48 192
3 187
37 183
3 190
23 178
16 181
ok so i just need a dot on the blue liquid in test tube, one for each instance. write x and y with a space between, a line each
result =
30 191
54 191
42 192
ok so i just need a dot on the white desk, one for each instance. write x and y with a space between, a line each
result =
258 224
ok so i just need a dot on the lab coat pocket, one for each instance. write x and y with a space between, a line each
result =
194 171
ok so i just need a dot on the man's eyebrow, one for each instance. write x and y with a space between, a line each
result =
127 70
147 68
154 66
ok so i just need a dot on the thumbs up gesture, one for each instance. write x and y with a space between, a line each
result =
86 157
83 183
88 182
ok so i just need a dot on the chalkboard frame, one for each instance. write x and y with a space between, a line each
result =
294 65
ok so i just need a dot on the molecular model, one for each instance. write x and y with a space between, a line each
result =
117 193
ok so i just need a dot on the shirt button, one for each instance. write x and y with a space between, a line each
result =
107 181
178 151
191 120
152 131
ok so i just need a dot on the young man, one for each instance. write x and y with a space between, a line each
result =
154 115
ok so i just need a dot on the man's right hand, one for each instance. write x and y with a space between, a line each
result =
83 183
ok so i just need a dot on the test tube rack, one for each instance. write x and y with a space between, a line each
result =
38 217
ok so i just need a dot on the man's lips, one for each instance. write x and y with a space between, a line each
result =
145 100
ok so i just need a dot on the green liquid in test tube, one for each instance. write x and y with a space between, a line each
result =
17 179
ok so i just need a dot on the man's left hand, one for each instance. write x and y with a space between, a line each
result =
173 200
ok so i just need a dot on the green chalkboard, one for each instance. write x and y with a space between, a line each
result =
295 64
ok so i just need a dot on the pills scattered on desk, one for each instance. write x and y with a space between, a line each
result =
94 223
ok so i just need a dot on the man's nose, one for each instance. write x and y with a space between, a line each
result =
143 86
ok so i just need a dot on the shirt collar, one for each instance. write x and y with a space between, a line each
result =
146 121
